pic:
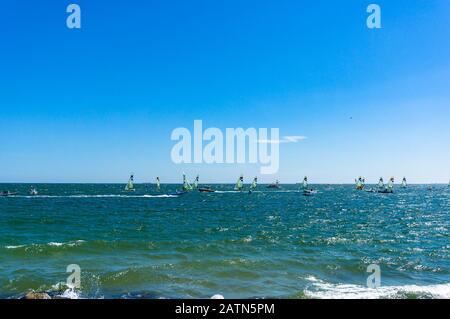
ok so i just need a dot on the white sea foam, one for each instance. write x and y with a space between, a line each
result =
324 290
71 294
52 243
120 196
140 196
71 243
160 196
227 192
247 239
55 244
312 278
100 196
14 247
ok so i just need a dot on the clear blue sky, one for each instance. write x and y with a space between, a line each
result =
95 104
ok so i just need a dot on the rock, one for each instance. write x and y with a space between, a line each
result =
37 295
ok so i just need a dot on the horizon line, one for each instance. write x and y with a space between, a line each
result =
212 183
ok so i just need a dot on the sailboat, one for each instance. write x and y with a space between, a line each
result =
305 183
202 189
206 190
33 191
195 186
186 186
360 183
239 184
404 184
389 188
130 186
254 184
158 185
381 183
306 191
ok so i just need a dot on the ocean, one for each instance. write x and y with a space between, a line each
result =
273 243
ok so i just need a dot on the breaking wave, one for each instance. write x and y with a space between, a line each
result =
324 290
97 196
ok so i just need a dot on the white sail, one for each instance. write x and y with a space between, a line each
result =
391 183
305 182
33 191
404 183
158 184
255 183
381 182
196 182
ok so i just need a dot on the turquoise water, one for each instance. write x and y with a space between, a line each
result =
268 244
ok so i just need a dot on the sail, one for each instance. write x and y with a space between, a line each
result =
239 183
130 185
158 184
381 182
186 185
404 183
305 182
33 191
255 183
196 182
359 183
391 183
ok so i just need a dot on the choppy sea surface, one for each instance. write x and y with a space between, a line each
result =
268 244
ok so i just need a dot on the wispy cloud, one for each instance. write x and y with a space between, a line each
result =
284 140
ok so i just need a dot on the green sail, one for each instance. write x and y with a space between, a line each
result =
186 185
239 183
360 183
130 185
196 182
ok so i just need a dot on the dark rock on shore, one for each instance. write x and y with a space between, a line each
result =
36 295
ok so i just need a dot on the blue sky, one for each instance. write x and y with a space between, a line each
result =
95 104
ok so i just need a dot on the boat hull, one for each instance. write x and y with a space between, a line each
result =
206 190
